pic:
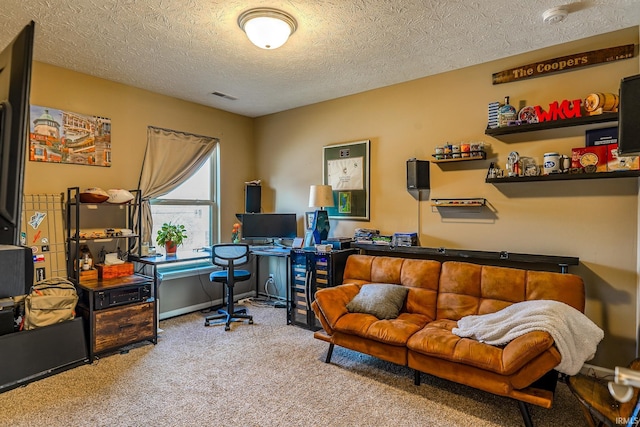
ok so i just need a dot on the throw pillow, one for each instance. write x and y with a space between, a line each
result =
382 300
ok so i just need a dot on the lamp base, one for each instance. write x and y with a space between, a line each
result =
320 227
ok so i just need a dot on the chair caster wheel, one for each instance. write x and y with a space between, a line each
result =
251 322
227 328
206 323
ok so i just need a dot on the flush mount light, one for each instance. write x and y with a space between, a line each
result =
555 15
267 28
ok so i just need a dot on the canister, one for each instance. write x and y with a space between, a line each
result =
551 163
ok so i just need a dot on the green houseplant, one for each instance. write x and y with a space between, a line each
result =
171 236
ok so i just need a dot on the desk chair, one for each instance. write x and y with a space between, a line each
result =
228 256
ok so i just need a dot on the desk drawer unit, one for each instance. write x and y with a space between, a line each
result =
116 327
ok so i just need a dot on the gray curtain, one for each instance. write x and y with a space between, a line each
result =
169 159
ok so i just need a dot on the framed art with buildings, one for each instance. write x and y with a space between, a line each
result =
346 169
60 136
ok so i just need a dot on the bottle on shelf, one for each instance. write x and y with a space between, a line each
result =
506 113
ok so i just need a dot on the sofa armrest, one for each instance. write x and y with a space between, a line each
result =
331 303
525 348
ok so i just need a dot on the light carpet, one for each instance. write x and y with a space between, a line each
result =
265 374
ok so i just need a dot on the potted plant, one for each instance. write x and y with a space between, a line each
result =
171 236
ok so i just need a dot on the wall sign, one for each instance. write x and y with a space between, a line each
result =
559 111
565 63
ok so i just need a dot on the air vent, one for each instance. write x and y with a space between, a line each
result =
224 95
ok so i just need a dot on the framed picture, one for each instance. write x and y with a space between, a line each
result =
60 136
346 169
308 218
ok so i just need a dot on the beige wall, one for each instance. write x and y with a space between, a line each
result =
131 110
595 220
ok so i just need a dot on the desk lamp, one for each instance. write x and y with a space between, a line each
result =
320 196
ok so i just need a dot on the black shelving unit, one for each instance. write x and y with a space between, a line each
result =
560 128
565 177
118 310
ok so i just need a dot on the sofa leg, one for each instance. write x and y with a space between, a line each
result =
525 414
329 353
416 377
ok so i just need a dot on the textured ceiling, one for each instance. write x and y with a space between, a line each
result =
190 48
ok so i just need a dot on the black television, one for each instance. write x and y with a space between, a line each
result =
15 85
629 116
269 226
16 262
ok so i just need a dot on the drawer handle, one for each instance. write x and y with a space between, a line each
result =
126 326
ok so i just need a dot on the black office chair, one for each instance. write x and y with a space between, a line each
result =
229 256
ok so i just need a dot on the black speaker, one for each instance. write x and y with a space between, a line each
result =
16 264
629 116
252 197
417 174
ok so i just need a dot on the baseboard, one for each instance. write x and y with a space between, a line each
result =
202 306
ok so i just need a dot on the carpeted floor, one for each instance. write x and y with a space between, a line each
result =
266 374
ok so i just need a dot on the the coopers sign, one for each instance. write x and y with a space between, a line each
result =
565 63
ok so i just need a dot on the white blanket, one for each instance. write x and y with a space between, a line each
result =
575 336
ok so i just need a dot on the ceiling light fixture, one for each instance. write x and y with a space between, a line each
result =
267 28
555 15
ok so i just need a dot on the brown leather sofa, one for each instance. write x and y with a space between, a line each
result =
439 295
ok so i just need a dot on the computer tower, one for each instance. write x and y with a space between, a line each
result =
252 198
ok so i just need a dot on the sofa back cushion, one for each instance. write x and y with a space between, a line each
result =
467 289
421 276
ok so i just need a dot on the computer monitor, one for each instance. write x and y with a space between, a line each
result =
269 226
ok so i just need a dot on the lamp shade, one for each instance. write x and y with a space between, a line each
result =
320 196
267 28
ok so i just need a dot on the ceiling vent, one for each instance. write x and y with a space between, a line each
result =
224 95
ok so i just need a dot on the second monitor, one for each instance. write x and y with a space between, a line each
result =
269 226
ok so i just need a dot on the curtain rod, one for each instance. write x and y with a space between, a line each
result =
184 133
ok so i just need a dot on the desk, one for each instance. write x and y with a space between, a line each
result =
273 251
155 261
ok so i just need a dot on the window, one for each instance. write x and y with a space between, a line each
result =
193 204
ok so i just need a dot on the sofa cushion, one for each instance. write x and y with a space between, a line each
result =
382 300
437 340
394 332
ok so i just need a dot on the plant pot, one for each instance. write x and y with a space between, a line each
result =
171 248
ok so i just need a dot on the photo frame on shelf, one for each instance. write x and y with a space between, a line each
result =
346 169
308 219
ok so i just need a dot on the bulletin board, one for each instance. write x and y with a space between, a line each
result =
346 169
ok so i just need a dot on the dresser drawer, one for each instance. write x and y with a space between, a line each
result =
120 326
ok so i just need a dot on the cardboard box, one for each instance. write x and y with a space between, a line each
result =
591 159
604 136
112 271
617 163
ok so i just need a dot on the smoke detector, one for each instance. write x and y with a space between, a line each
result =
555 15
